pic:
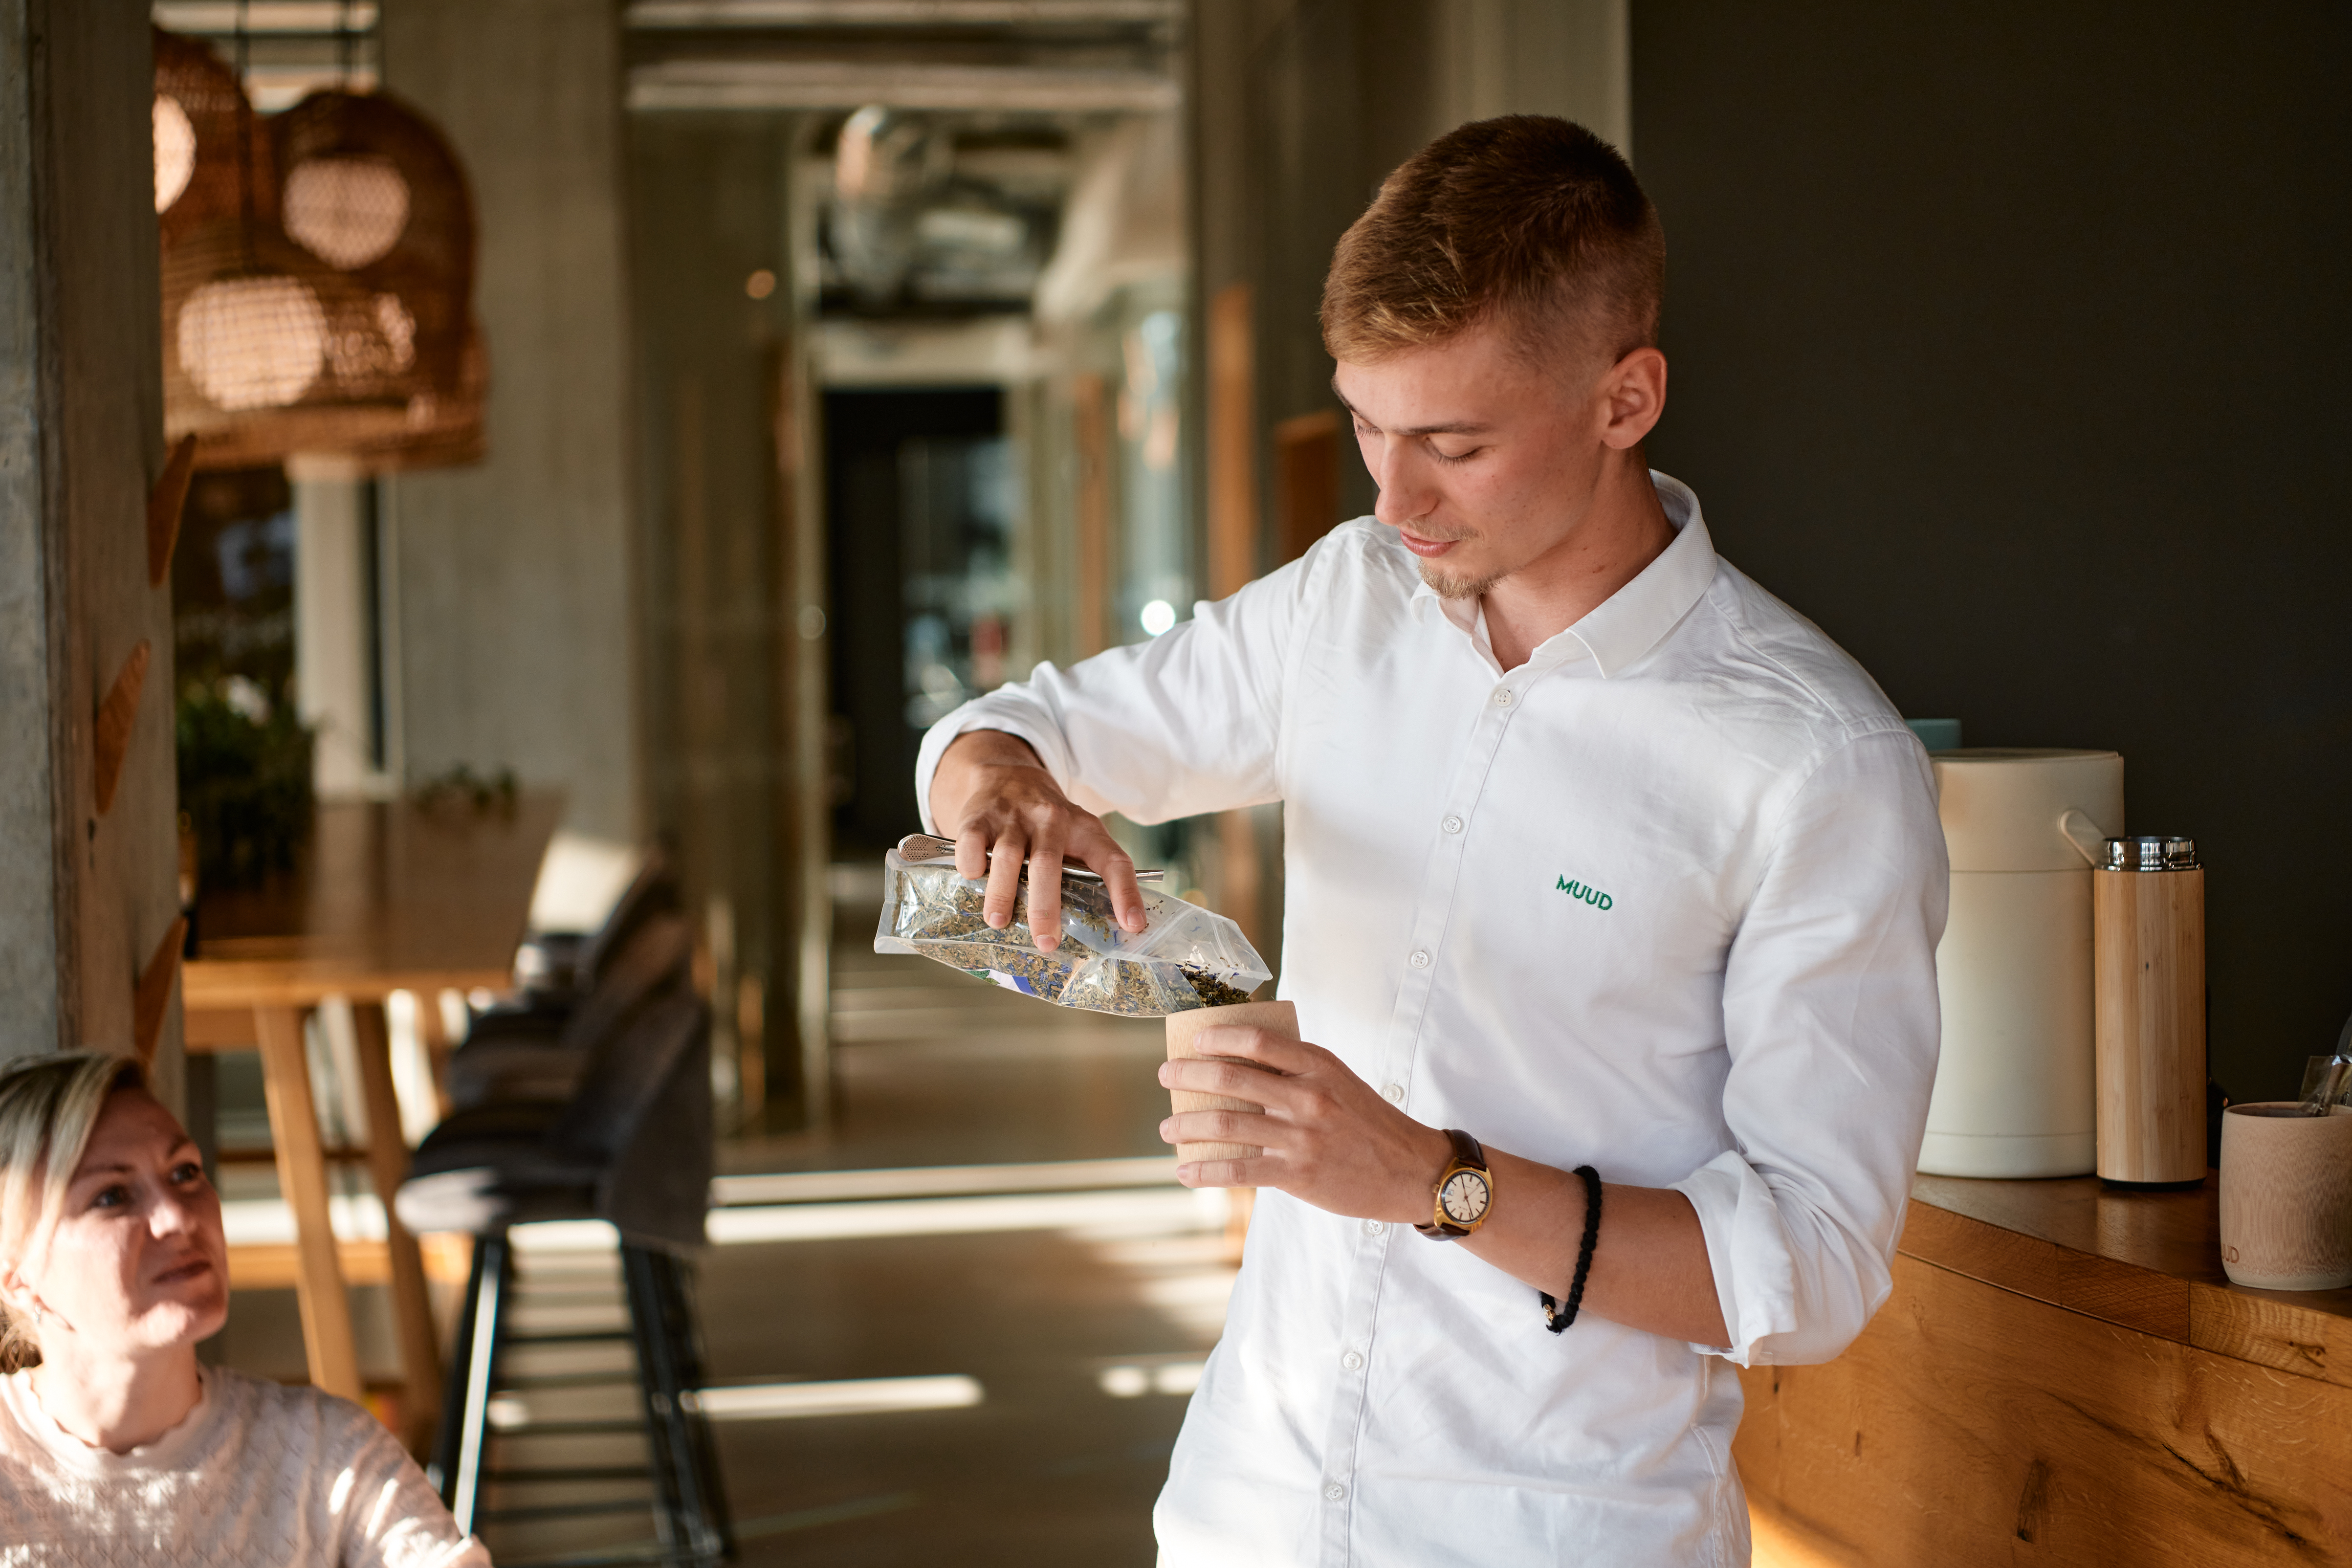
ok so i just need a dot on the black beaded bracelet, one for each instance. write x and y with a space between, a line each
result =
1557 1317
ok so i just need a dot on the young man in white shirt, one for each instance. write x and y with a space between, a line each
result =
1594 851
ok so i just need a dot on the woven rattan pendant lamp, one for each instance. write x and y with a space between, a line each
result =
266 351
200 112
372 188
350 339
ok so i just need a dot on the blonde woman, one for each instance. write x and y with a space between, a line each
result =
115 1445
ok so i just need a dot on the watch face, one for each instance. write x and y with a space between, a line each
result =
1464 1198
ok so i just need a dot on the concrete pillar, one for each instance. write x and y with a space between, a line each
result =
85 896
516 639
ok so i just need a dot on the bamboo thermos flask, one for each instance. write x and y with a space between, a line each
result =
2147 902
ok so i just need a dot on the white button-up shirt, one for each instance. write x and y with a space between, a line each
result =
1665 899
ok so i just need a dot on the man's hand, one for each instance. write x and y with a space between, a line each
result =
1332 1141
1328 1137
996 800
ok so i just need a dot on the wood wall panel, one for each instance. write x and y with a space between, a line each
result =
1306 480
1090 434
1233 443
2136 1298
2278 1328
1971 1425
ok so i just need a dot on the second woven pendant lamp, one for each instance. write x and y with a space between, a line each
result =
369 186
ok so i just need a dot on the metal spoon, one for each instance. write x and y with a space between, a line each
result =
2332 1081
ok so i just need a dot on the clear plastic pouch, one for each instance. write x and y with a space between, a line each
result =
1185 956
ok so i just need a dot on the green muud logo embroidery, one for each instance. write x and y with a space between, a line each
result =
1593 896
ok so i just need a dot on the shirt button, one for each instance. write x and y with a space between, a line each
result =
1336 1493
1352 1361
1453 825
1420 959
1394 1094
1502 697
1373 1228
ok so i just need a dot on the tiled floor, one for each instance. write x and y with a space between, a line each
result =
934 1068
1081 1316
939 1070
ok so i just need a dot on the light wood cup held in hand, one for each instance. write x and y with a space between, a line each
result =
1274 1017
2287 1197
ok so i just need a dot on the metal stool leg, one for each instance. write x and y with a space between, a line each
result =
685 1515
448 1430
457 1448
676 1277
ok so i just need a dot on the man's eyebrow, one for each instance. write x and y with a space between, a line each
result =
1455 427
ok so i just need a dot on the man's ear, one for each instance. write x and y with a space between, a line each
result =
1634 394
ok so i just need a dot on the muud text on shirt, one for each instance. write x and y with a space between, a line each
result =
1593 896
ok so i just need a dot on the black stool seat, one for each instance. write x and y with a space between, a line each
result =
493 1166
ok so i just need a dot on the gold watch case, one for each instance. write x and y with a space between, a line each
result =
1465 1193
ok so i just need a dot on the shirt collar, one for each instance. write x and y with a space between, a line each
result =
1629 623
191 1434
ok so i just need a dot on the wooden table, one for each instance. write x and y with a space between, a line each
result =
2064 1374
386 897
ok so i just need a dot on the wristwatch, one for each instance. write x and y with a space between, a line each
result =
1465 1192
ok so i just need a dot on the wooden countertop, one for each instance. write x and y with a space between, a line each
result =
386 896
2143 1259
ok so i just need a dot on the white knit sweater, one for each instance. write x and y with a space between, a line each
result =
255 1477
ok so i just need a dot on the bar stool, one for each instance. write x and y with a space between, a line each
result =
633 1148
554 968
541 1054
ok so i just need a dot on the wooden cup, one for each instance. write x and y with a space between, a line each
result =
2287 1197
1276 1017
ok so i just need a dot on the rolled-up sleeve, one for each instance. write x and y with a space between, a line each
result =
1185 723
1831 1023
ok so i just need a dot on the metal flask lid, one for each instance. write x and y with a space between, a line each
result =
2159 853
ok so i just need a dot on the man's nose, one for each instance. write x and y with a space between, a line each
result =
1405 493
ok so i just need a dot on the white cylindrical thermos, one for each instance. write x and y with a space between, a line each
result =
2016 1085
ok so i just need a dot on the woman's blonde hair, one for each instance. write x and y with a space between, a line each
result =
48 1107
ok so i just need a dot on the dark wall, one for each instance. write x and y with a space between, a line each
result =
864 544
2009 343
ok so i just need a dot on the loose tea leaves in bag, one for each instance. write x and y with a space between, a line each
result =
1185 956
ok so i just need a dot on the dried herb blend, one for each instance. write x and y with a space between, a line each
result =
1185 957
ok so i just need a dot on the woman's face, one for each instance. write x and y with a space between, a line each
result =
136 1261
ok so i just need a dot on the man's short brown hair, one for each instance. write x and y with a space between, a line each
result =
1528 220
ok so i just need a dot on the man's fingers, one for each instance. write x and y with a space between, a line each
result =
1275 1053
1046 895
1233 1080
1246 1128
1125 897
1004 880
972 851
1222 1173
1100 853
